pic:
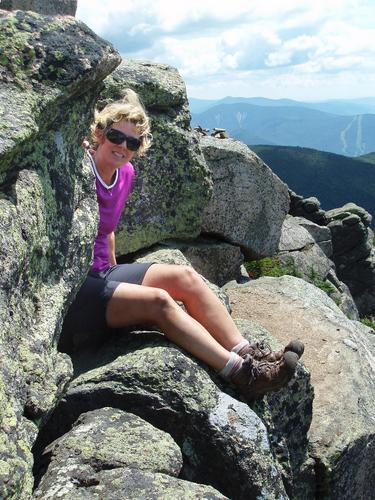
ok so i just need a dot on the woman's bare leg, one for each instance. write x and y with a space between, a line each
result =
135 304
184 284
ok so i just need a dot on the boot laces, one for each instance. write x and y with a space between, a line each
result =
256 368
263 347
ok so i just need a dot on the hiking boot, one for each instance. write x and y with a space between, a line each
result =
256 378
262 350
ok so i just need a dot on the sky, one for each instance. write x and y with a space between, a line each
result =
298 49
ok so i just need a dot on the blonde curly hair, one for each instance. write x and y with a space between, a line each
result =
130 109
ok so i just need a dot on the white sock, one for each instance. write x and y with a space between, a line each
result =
233 365
238 348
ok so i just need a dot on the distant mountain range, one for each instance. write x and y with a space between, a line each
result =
360 106
345 127
333 179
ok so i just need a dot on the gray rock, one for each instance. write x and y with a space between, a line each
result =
47 216
311 204
320 234
132 484
219 436
160 85
249 203
217 261
342 296
353 254
311 263
109 438
340 355
350 208
105 439
308 261
308 208
48 7
294 236
173 184
287 414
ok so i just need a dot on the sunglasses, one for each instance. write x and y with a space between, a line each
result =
117 137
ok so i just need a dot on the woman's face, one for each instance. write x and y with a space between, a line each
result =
118 154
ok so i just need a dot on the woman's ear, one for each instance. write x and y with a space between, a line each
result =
99 135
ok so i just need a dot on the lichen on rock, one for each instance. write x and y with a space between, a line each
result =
50 73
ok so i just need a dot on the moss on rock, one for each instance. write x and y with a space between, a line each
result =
52 68
173 183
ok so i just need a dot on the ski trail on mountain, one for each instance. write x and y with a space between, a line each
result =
343 135
241 117
218 119
360 146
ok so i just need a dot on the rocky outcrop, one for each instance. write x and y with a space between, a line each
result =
219 436
47 94
113 454
351 247
47 7
353 253
340 355
152 396
242 180
173 183
308 208
321 234
300 250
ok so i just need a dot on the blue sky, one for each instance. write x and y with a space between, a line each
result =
305 50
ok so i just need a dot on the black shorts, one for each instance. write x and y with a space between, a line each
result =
87 314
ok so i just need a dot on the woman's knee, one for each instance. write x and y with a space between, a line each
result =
188 278
160 303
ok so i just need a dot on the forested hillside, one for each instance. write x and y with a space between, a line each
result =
334 179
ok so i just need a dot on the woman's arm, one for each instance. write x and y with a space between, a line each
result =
112 248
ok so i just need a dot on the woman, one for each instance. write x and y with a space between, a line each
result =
122 295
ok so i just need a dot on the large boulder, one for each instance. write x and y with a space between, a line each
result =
287 414
320 234
301 253
249 202
340 355
113 454
173 184
48 7
50 76
223 442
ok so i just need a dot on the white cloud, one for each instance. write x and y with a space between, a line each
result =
246 45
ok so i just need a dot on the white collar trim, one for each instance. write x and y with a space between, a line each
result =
95 170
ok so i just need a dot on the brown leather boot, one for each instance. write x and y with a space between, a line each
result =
256 378
262 350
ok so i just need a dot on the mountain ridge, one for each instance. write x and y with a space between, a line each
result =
362 105
349 135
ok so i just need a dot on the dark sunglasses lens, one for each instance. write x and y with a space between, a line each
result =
117 137
133 143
